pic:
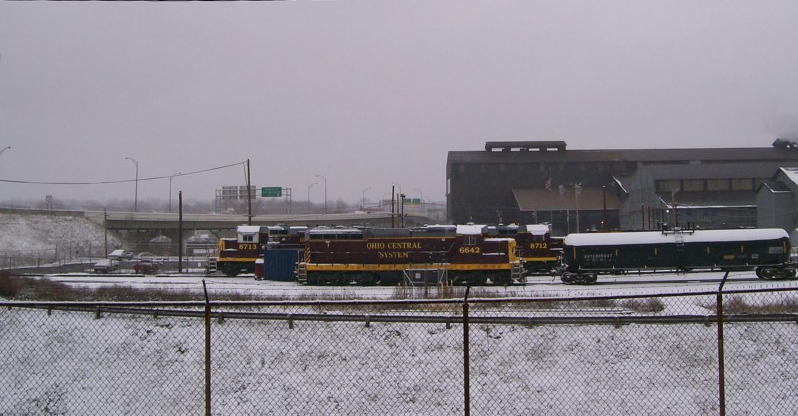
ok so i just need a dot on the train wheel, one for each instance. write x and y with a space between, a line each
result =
785 273
364 279
765 273
502 279
230 271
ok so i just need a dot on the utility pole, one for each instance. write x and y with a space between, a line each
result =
105 229
136 193
180 232
249 197
170 189
402 211
393 204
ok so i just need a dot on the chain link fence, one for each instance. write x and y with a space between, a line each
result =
642 354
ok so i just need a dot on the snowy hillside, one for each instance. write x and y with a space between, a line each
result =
25 234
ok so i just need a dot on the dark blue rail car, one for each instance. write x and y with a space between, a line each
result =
766 250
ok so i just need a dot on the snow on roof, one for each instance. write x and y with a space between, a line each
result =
470 229
335 231
620 184
440 226
791 174
248 229
537 229
500 239
657 237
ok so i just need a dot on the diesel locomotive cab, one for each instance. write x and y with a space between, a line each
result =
238 255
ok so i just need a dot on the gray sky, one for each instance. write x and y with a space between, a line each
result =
370 93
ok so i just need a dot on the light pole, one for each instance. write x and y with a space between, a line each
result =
4 149
363 198
170 189
324 178
402 211
136 194
310 186
395 202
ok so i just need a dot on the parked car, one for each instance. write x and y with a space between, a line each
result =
106 266
120 254
146 267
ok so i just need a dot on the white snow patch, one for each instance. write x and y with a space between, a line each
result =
657 237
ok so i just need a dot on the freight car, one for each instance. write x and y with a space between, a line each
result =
386 256
765 250
538 250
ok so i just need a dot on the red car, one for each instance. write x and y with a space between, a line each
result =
146 267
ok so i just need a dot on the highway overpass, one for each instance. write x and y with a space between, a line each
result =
129 221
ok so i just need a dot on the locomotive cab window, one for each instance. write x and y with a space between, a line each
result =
248 238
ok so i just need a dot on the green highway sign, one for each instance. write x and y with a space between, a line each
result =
271 191
412 201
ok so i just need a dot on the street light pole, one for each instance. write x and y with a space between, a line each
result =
402 211
324 178
170 189
310 186
4 149
136 194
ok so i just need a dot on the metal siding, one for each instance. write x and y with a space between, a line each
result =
280 264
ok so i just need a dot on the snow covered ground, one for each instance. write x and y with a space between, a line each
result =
549 286
71 363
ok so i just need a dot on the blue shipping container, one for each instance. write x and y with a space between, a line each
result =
281 264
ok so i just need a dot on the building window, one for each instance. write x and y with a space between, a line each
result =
717 184
669 185
745 184
693 185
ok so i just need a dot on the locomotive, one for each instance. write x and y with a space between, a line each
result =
238 255
388 255
539 251
765 250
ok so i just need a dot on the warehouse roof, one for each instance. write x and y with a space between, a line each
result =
622 155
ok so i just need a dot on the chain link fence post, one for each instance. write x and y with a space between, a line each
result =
721 363
207 351
466 365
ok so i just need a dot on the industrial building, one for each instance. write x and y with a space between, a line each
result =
777 205
626 189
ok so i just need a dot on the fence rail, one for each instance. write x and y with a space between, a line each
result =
644 354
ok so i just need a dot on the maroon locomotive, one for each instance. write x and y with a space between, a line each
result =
386 256
539 251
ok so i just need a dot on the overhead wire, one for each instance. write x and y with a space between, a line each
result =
151 178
